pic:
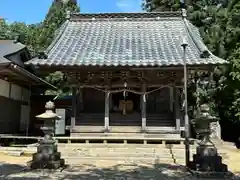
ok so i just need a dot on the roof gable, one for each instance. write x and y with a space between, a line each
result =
126 39
7 48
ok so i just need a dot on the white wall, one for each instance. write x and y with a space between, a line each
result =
13 91
4 88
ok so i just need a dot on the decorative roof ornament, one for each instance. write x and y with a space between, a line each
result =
67 1
184 13
68 14
42 55
184 42
16 39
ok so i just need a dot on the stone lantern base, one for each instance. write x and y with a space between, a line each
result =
207 162
47 156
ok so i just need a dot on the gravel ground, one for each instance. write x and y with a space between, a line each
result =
103 171
14 168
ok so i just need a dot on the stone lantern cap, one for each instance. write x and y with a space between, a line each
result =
49 114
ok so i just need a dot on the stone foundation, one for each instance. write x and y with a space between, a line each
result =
207 160
46 156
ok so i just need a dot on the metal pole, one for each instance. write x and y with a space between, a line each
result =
186 119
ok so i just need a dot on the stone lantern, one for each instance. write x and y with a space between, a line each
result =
47 155
206 159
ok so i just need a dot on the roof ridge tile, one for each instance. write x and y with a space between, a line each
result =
144 15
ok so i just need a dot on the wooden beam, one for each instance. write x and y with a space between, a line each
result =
106 119
177 109
48 69
116 78
143 107
74 100
171 98
80 99
129 85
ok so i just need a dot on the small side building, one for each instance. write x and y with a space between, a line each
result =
17 84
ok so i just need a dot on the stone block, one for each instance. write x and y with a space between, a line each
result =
15 153
44 157
47 141
222 168
207 159
207 164
47 148
46 164
207 150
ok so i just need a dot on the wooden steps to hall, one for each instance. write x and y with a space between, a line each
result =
132 119
163 120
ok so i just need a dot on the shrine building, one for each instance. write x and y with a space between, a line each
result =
126 69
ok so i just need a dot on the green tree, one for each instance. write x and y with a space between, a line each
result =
5 32
37 37
55 17
161 5
219 25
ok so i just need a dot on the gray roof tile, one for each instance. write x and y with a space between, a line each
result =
126 39
8 47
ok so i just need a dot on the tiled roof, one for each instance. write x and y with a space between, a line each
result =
126 39
8 47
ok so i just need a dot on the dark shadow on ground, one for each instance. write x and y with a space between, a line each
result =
118 172
6 169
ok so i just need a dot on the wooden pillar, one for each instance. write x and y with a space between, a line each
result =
171 98
106 119
177 109
80 99
74 101
143 108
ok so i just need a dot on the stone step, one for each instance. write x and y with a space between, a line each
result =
116 134
180 155
128 146
14 153
118 154
80 133
120 150
129 151
121 156
140 147
87 160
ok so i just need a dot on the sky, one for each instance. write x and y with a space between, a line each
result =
34 11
